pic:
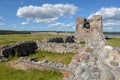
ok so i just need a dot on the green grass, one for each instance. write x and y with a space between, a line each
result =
7 73
50 56
11 38
114 42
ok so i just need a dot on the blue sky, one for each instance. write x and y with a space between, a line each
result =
56 15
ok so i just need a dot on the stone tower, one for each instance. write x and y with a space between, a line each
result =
86 63
85 28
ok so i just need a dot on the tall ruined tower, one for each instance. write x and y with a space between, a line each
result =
85 28
86 63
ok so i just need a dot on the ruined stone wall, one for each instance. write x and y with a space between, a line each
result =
20 48
58 44
25 48
85 63
57 47
95 61
30 63
66 39
85 28
79 34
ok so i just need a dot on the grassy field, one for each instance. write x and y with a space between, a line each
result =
114 42
7 73
6 39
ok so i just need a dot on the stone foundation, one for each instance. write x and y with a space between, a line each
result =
30 63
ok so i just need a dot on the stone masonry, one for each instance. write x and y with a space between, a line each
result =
58 44
58 47
85 27
19 48
96 60
25 63
24 48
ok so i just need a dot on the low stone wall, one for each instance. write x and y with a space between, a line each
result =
32 63
57 47
66 39
25 48
58 44
20 48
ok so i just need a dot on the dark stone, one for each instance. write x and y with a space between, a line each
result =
33 60
107 37
69 39
114 63
19 49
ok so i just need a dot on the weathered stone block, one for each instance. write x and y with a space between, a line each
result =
114 63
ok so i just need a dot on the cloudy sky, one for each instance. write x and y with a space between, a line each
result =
56 15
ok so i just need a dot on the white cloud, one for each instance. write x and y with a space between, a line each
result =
46 12
109 28
25 23
111 13
111 17
111 23
58 24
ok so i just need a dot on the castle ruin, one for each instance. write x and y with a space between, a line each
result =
93 58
